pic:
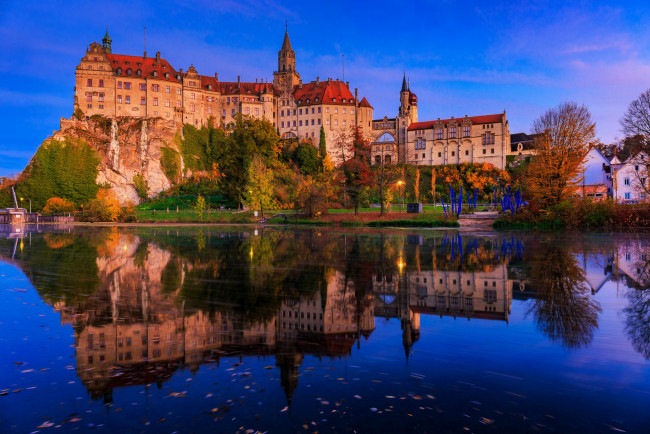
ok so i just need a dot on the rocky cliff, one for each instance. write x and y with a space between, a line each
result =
127 147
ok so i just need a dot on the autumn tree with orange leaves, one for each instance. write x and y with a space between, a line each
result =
565 134
356 170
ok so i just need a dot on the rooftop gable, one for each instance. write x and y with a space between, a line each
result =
323 92
121 64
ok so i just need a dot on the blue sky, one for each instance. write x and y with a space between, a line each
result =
461 57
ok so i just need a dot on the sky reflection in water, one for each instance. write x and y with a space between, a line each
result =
209 328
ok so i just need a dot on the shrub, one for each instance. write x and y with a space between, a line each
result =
56 204
170 163
105 207
141 186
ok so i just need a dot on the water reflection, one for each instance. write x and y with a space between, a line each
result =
145 303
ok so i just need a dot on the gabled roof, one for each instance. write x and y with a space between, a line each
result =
147 65
485 119
245 88
615 160
323 92
364 103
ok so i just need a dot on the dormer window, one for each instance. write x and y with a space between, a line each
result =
155 74
344 100
316 99
166 74
138 72
139 64
307 100
129 71
299 101
333 99
209 87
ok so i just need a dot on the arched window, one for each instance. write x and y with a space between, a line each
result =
386 137
387 159
119 71
377 159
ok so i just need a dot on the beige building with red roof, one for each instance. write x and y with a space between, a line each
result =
475 139
116 85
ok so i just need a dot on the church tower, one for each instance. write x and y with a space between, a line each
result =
286 77
408 114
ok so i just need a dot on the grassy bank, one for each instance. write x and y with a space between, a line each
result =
191 216
579 215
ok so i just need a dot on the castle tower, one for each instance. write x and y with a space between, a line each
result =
106 42
286 77
408 114
404 98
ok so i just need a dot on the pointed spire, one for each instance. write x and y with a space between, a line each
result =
286 44
404 85
106 42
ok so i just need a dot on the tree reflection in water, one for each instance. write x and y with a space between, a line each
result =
564 310
637 321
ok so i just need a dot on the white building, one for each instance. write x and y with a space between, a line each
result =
628 180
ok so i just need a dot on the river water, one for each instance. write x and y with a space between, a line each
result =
228 329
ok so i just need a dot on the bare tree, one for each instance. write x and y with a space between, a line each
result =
565 134
636 119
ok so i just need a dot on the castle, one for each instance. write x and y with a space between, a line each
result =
115 85
475 139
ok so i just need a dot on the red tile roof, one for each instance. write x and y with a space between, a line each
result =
245 88
485 119
364 103
322 92
146 65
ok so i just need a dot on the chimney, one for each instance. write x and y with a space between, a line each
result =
347 84
216 76
317 81
300 84
238 80
157 56
256 80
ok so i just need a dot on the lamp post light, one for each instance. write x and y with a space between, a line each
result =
401 183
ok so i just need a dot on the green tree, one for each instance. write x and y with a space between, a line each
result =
307 159
322 145
249 137
66 169
200 206
259 188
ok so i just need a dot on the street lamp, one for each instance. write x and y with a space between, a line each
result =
401 183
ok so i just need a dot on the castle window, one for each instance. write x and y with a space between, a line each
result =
492 151
299 111
282 124
127 99
167 77
248 110
155 101
452 132
351 111
312 122
101 97
127 85
333 99
192 107
439 133
138 72
626 181
439 154
466 131
318 121
119 85
192 96
232 112
307 100
167 104
343 99
300 123
345 122
143 86
143 101
484 152
119 71
89 97
344 110
90 82
90 68
234 99
336 110
119 99
453 154
316 99
155 74
155 87
327 109
466 152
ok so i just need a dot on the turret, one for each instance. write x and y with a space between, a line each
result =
106 42
286 55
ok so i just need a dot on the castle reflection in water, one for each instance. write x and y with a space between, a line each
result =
153 308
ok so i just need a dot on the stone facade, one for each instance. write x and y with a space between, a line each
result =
476 139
